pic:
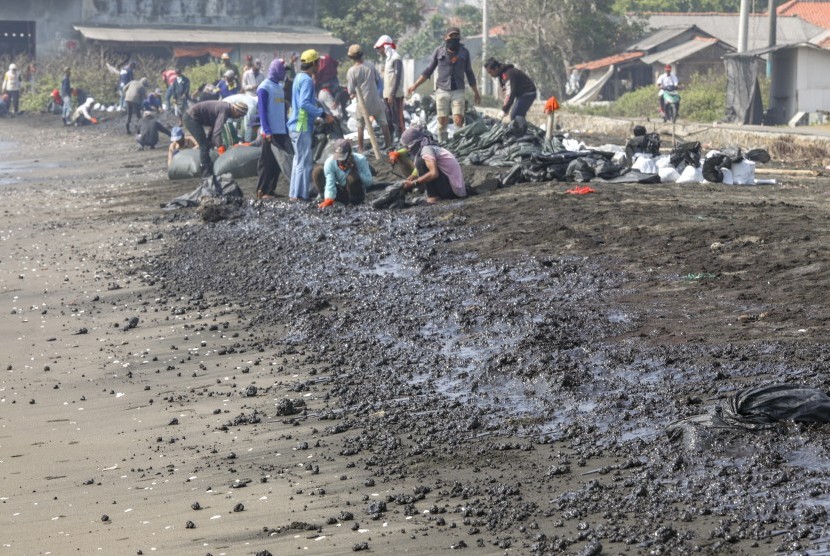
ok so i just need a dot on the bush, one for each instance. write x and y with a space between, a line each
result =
703 99
90 72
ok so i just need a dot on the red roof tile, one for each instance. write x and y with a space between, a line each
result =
816 12
608 60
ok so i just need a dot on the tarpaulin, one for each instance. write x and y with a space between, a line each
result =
196 51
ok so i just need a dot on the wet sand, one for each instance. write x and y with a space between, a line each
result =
496 374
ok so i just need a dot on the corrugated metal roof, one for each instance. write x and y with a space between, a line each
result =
656 39
817 13
681 51
777 47
208 35
609 60
725 27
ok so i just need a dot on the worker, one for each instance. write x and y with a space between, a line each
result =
519 89
277 151
212 114
343 177
393 91
436 169
364 78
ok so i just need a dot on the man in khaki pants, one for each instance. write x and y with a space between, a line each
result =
452 60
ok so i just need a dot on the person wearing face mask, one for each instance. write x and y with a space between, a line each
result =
277 151
436 169
393 92
343 177
453 63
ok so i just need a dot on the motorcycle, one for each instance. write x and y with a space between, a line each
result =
671 103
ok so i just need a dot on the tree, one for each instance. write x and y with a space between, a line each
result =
425 40
727 6
469 18
363 21
545 37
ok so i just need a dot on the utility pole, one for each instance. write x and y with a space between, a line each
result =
743 27
773 33
485 78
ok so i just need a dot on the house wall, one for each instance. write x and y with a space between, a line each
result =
813 80
54 18
53 22
783 85
228 13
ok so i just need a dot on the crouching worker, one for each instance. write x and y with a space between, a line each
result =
438 172
83 114
344 176
148 131
178 142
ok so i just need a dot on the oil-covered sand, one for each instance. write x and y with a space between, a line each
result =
503 374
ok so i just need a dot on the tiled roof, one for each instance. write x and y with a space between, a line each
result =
816 12
609 60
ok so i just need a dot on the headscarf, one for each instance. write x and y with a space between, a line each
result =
414 139
389 47
276 71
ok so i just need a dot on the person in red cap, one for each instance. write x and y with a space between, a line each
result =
663 81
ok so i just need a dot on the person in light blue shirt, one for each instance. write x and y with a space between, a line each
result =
277 151
304 110
344 176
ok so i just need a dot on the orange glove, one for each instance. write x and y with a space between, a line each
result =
394 156
326 203
94 120
221 149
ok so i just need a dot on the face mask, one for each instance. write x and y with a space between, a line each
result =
453 44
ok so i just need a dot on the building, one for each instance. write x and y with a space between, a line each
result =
171 27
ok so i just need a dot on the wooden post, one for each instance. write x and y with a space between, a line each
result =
550 125
361 105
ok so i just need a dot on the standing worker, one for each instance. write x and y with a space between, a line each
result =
212 114
364 78
227 65
125 76
393 92
66 95
453 62
301 125
134 94
11 85
519 89
276 144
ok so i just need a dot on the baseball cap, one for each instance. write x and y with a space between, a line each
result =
226 56
668 66
454 31
342 149
355 51
176 134
309 56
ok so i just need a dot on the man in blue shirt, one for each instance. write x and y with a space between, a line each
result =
304 111
344 177
276 145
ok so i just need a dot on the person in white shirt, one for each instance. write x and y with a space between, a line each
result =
665 80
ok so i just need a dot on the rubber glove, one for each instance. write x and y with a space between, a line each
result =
326 203
221 149
94 120
394 156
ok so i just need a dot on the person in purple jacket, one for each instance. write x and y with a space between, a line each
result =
212 114
276 144
304 110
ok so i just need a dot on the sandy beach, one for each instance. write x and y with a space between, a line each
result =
497 375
